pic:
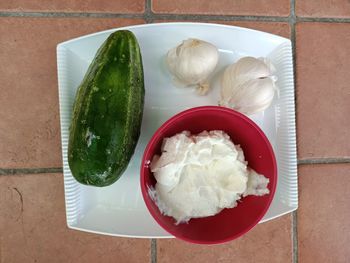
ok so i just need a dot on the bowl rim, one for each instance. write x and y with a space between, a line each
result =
182 114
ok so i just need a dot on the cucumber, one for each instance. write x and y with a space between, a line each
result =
107 112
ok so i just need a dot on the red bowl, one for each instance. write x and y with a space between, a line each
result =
229 223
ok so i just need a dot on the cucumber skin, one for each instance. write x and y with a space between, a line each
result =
107 112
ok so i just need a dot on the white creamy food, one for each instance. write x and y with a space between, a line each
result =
199 175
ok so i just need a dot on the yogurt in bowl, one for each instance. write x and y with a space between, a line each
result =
200 175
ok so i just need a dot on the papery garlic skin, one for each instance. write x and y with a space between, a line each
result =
248 85
192 62
253 96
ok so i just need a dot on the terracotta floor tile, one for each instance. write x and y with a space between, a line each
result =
323 108
33 227
29 126
322 8
282 29
223 7
265 240
116 6
324 212
277 28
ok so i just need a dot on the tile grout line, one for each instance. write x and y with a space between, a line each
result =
71 15
324 161
16 171
149 16
295 236
323 19
153 250
292 22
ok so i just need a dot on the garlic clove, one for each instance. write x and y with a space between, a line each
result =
171 59
227 84
250 67
248 85
253 96
269 64
243 70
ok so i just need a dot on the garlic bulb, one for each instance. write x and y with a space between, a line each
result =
248 85
192 62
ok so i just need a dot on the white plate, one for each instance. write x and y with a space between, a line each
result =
119 209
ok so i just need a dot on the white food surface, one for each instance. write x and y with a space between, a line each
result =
199 175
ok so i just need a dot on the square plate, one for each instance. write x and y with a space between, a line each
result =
119 209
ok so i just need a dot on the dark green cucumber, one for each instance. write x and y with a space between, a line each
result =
107 112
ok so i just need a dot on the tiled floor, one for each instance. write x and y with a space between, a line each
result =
31 184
